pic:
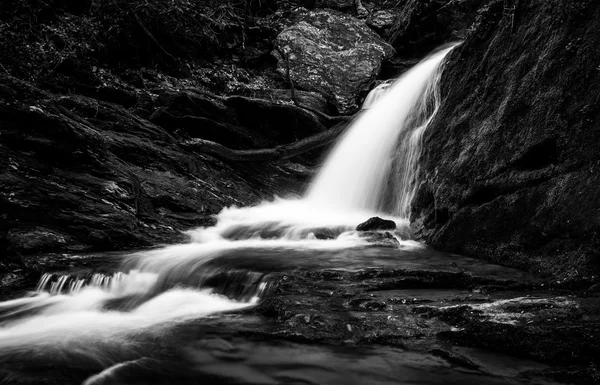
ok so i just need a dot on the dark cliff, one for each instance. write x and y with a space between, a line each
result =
510 168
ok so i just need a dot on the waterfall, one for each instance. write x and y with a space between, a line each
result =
371 171
374 165
375 94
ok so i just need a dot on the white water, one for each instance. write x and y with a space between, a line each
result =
371 171
386 138
375 94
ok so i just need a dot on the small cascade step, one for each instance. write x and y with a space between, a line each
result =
241 285
70 284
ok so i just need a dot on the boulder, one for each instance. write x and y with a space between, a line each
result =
375 224
331 53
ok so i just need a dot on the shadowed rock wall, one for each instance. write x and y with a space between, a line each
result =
510 169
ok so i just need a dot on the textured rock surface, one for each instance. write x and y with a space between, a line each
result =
381 20
479 323
422 25
511 163
82 174
376 223
332 53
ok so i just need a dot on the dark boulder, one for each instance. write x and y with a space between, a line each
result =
375 224
331 53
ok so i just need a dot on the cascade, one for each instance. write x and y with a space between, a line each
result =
371 171
375 94
373 166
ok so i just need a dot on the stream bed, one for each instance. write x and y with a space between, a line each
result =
271 313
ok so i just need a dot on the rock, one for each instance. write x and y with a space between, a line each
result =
281 123
375 224
325 233
331 53
423 25
38 239
99 177
378 238
310 99
527 131
236 121
339 5
381 20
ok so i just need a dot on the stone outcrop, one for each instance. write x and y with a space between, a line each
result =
421 26
510 167
83 174
331 53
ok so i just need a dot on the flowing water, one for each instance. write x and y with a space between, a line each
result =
160 315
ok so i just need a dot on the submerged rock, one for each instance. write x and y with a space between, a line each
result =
331 53
376 223
378 238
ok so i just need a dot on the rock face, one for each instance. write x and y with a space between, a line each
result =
510 167
376 223
331 53
83 174
422 25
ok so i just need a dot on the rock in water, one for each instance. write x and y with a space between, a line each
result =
376 223
331 53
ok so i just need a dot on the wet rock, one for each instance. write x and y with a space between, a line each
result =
283 123
100 177
381 20
340 5
421 26
380 238
324 233
437 312
38 239
455 359
376 223
331 53
310 99
236 121
536 187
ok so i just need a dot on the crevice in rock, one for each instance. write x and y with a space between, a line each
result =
540 155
